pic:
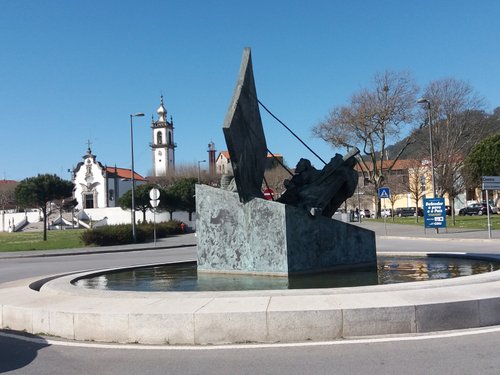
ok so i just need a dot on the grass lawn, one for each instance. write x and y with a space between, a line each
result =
465 222
56 239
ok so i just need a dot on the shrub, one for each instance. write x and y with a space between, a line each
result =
122 234
164 229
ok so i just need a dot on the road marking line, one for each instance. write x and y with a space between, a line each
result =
351 341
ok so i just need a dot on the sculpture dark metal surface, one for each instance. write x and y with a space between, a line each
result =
321 192
244 134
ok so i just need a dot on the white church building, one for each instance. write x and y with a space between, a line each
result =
99 186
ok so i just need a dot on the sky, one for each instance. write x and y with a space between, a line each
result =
73 71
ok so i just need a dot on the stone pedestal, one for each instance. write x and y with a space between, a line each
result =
266 237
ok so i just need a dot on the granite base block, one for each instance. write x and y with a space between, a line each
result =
266 237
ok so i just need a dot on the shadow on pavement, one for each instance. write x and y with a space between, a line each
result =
18 350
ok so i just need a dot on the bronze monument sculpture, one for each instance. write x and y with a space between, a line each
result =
241 232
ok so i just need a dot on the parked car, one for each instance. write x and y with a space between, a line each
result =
409 211
473 209
365 213
493 209
386 212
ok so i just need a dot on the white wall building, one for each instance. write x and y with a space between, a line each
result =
223 163
98 186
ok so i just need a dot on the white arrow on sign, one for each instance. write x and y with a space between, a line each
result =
154 193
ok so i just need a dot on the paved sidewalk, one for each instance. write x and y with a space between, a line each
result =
417 231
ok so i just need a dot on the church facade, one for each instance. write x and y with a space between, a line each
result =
99 186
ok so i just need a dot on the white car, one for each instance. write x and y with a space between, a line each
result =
365 213
386 212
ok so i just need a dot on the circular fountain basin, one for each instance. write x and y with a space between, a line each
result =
62 309
184 277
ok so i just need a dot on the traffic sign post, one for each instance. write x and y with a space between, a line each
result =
154 194
269 194
384 193
489 183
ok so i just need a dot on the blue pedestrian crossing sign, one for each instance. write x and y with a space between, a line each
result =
384 192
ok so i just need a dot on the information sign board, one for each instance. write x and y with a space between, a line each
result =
491 182
434 213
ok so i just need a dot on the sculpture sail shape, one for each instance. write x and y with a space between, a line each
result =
244 134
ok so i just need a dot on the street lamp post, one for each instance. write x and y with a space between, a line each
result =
134 237
199 162
433 178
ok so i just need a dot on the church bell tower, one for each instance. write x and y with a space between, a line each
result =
163 146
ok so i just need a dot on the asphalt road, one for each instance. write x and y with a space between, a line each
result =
474 354
21 268
467 352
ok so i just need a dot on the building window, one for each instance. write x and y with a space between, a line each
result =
169 138
111 194
159 138
89 200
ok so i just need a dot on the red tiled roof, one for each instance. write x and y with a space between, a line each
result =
274 155
6 182
226 155
124 173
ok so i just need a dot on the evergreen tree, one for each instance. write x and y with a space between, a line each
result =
39 191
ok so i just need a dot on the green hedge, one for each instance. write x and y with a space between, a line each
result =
122 234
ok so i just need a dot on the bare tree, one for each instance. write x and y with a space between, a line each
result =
373 116
457 126
7 194
274 178
417 181
183 171
7 198
398 188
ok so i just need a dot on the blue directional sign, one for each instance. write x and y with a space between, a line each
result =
384 192
434 213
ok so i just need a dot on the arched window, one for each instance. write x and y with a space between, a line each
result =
169 138
159 137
